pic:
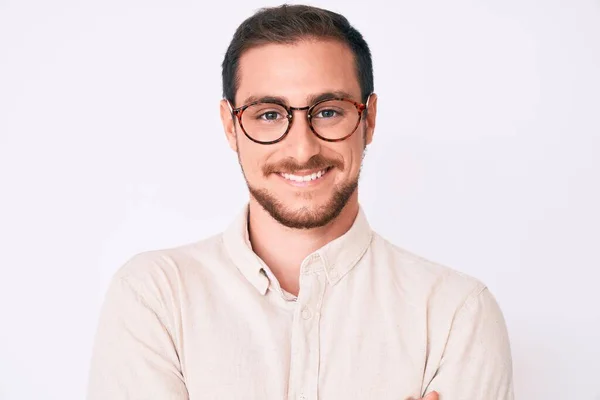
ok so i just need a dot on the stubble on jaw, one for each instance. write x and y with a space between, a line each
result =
305 218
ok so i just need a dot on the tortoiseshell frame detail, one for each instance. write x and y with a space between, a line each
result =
360 107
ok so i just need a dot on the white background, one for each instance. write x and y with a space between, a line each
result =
485 159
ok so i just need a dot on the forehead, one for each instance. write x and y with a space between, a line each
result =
297 71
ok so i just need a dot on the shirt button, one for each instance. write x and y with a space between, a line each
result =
302 397
306 314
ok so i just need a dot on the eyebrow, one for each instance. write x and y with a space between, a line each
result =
311 99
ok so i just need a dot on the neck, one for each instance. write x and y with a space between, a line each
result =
283 249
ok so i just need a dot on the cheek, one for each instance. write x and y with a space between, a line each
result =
353 155
252 158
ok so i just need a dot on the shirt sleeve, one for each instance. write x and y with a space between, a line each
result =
477 362
134 356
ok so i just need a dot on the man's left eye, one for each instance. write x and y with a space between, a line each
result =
326 113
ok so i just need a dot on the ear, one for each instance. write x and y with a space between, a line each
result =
371 117
228 121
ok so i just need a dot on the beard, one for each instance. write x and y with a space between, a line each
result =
305 217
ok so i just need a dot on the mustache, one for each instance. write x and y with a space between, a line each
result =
289 165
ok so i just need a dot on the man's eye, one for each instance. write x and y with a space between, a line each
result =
326 114
270 116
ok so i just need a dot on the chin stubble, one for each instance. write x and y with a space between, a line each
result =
305 218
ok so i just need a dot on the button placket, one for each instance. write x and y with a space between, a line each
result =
306 314
304 365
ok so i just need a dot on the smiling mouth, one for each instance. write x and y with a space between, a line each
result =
306 177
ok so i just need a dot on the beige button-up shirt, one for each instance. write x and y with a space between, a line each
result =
372 321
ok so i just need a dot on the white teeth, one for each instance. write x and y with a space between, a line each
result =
306 178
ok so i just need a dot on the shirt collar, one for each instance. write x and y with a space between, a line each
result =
237 245
338 257
341 255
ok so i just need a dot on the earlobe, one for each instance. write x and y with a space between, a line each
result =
228 121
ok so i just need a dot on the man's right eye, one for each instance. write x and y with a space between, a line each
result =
270 116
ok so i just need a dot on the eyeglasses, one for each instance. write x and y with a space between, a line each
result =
332 120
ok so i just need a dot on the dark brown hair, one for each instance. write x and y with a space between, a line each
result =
288 24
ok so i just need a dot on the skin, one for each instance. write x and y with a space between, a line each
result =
298 73
305 218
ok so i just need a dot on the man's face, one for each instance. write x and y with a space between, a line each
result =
297 74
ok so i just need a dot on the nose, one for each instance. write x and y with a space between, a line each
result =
301 143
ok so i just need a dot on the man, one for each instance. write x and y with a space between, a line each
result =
298 298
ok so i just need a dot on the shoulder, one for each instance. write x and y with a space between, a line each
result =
157 272
450 300
425 280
